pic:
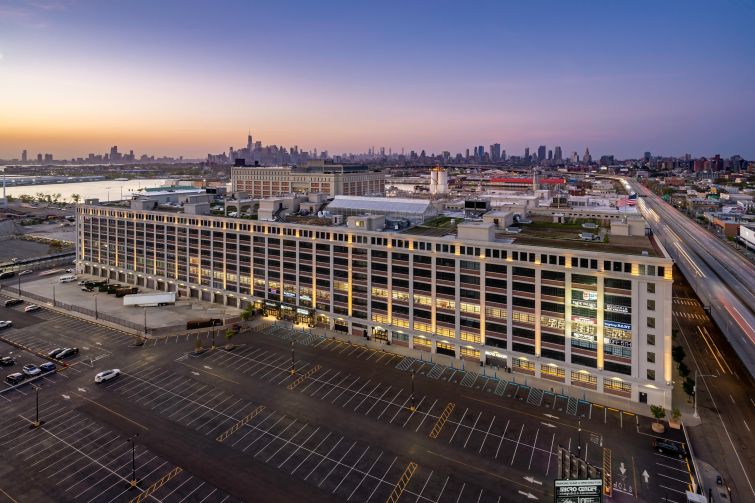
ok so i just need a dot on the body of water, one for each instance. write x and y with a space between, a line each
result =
107 190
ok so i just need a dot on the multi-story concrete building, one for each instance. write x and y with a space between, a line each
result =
330 179
593 318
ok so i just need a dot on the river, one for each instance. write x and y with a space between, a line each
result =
106 190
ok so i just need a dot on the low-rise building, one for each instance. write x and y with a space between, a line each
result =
589 318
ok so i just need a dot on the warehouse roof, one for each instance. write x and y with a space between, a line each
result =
382 204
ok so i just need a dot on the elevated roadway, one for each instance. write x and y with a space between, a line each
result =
723 279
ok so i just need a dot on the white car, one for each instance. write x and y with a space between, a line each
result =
106 375
31 307
6 324
24 273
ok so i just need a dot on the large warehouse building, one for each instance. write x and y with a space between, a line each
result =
591 316
329 179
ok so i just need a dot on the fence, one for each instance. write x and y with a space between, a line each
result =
139 327
78 309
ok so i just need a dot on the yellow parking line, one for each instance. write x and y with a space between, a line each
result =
403 481
157 485
233 429
304 376
441 422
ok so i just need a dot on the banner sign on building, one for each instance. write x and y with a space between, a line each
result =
617 309
616 324
578 491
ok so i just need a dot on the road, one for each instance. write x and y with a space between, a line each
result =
725 438
723 279
347 426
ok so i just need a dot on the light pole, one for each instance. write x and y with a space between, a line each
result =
145 322
53 295
37 423
694 392
133 460
293 362
579 439
412 408
96 312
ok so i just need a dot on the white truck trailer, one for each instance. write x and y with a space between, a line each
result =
149 299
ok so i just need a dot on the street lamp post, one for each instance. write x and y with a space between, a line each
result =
53 295
133 460
694 395
145 322
293 362
412 408
96 312
37 423
579 439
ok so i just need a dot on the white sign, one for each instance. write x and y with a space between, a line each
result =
617 309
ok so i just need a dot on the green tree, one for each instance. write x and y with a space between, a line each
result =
10 198
55 197
75 198
658 412
26 198
41 197
676 414
683 370
247 314
689 387
229 333
678 354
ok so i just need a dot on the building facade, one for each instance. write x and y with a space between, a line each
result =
597 322
330 179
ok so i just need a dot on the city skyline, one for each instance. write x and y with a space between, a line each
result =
343 77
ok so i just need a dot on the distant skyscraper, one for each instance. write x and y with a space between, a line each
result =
503 155
574 157
23 156
48 158
526 153
39 157
557 155
587 158
550 154
541 153
480 152
646 156
495 152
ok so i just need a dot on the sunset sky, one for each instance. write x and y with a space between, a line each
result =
189 77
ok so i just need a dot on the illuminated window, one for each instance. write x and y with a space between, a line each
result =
523 364
423 300
495 312
616 385
422 327
379 292
446 304
445 332
552 370
584 377
469 337
527 318
402 296
469 308
420 341
469 353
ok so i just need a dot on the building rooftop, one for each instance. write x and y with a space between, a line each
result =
382 204
553 235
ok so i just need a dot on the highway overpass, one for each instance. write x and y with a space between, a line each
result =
723 279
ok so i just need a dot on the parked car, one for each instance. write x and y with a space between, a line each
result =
16 378
6 324
30 370
106 375
31 307
70 271
669 448
13 302
82 282
47 367
67 353
24 273
54 352
7 361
